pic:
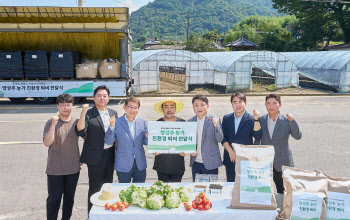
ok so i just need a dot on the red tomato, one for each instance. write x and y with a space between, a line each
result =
194 205
211 205
201 195
119 203
199 201
207 207
121 207
206 200
188 207
108 206
114 207
126 204
200 207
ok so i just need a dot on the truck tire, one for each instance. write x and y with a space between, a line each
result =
18 100
44 100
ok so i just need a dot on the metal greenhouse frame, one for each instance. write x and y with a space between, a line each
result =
146 68
233 69
328 67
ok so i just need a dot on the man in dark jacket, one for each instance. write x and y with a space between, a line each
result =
238 127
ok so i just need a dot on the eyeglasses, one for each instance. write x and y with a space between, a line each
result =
132 108
65 105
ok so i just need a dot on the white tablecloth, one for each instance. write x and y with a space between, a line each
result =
218 212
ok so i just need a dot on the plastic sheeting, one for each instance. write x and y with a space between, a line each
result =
146 68
328 67
234 68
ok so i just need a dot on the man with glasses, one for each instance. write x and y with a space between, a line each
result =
238 127
276 129
63 167
130 132
98 156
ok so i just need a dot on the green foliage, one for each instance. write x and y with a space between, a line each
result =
168 19
197 43
274 36
320 20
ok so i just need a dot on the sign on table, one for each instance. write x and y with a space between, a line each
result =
172 137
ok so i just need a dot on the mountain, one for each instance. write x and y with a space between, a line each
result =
167 19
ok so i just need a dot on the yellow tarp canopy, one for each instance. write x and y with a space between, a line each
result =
91 45
57 20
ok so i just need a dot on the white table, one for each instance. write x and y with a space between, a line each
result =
218 212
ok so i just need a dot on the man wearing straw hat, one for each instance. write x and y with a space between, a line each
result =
169 167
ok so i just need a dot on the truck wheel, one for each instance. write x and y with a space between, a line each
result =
18 100
44 100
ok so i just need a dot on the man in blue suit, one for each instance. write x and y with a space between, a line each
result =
130 133
238 127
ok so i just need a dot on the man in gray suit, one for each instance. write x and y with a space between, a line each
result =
207 159
276 129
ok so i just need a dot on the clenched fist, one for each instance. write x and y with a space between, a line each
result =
112 121
256 114
84 108
290 117
54 120
215 121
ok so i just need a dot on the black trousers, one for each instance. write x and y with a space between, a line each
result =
200 169
166 178
277 178
100 174
58 186
231 172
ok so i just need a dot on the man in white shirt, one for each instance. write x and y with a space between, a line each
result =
207 159
98 156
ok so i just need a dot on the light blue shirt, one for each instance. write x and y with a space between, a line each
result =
131 125
237 121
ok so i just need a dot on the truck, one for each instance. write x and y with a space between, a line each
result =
96 32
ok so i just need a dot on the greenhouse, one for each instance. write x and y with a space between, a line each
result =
233 69
147 64
328 67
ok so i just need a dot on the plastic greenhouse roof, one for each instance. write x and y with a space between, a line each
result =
138 56
222 61
334 60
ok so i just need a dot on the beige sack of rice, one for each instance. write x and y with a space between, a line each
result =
304 194
87 70
254 172
338 197
109 69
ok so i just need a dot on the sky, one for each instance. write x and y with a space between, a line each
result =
133 5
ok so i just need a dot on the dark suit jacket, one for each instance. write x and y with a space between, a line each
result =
280 137
244 135
94 137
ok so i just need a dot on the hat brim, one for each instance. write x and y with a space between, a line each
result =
94 199
158 106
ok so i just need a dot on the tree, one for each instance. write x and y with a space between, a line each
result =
319 19
197 43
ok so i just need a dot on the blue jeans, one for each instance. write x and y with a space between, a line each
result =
199 168
138 176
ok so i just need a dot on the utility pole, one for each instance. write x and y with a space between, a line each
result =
188 25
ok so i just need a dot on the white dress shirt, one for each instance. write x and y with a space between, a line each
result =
105 119
271 125
200 125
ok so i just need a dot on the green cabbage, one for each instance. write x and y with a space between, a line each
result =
155 201
139 197
172 200
184 194
125 195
